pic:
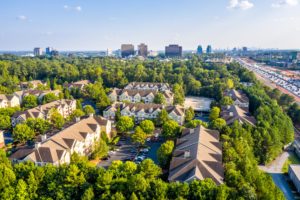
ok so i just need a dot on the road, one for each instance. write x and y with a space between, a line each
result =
274 169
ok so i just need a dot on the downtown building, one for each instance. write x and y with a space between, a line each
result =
37 51
143 50
173 51
127 50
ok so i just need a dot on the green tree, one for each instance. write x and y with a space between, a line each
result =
88 194
76 114
178 94
22 133
100 150
125 124
164 153
29 101
170 129
214 113
149 169
218 123
88 109
139 136
159 98
21 190
40 126
229 83
49 98
226 101
133 197
195 123
189 114
147 126
56 119
5 122
162 117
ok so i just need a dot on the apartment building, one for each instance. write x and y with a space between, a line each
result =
148 86
136 96
38 93
64 107
31 84
78 85
7 101
235 113
142 111
78 138
240 99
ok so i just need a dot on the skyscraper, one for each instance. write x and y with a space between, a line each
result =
127 50
173 51
37 51
209 49
143 50
199 50
49 50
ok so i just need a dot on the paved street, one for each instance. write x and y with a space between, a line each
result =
274 169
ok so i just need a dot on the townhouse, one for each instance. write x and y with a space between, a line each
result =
38 93
7 101
142 111
197 156
64 107
136 96
31 84
239 98
79 84
148 86
235 113
57 149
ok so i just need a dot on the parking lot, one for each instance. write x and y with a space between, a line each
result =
126 151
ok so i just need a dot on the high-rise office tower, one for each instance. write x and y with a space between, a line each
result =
173 51
143 50
37 51
199 50
49 50
209 49
127 50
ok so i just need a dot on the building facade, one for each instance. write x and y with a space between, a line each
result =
37 51
7 101
209 49
142 111
148 86
294 174
143 50
199 50
173 51
127 50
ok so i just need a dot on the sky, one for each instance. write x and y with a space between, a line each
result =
106 24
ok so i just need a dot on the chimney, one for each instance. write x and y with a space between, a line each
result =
187 154
37 145
77 119
228 107
43 137
91 115
231 114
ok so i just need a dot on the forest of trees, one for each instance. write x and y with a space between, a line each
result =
243 146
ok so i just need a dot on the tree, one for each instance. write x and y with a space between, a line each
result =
195 123
29 101
139 136
22 133
159 98
88 109
226 101
162 117
218 123
214 113
230 83
149 169
57 119
147 126
125 124
100 150
40 126
133 197
170 129
76 114
49 98
178 94
21 190
164 153
189 114
88 194
4 122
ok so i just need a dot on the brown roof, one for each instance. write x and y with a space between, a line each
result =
142 93
233 113
238 95
197 155
148 84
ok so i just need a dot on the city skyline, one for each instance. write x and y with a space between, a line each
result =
80 25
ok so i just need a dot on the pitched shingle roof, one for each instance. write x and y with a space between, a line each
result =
197 155
235 113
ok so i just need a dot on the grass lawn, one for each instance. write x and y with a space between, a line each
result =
293 159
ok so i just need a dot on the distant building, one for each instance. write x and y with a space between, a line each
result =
199 50
127 50
49 51
7 101
143 50
245 49
209 49
294 174
239 98
37 51
54 53
173 51
148 86
77 85
109 52
31 84
235 113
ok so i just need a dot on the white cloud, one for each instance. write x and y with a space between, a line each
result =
240 4
73 8
22 17
282 3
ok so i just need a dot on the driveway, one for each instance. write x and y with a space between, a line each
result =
274 169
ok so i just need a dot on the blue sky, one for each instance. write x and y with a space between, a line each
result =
102 24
